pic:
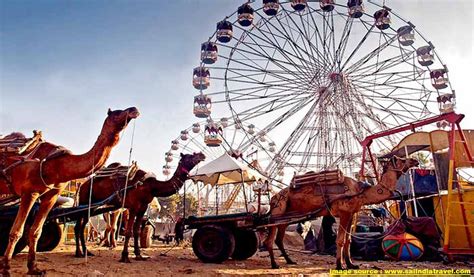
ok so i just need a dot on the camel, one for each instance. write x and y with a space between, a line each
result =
43 178
111 225
111 222
305 200
145 188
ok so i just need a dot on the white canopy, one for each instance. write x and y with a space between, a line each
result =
225 170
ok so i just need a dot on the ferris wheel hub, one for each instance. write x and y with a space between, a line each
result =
336 77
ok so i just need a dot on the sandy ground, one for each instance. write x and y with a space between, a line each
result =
180 261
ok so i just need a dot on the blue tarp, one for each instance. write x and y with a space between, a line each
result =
424 181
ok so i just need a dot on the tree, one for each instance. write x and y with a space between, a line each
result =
172 207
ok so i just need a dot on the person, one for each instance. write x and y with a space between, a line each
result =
327 236
179 230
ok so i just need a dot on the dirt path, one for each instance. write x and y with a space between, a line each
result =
180 261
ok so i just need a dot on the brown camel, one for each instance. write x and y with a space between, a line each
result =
305 201
137 198
111 222
44 178
111 225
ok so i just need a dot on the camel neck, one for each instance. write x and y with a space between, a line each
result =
382 191
169 187
70 167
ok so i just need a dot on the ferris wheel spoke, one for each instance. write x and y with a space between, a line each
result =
273 43
280 63
237 81
306 38
324 54
400 101
272 106
404 90
280 48
392 101
312 37
294 108
404 84
241 76
244 74
285 26
356 49
256 93
371 108
342 43
383 65
369 56
187 147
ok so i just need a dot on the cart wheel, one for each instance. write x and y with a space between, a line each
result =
246 244
4 235
213 243
145 236
50 237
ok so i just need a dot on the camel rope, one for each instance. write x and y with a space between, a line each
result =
93 174
90 200
126 179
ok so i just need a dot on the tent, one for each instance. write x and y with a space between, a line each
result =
225 170
435 141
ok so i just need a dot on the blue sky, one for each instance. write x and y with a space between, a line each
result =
64 63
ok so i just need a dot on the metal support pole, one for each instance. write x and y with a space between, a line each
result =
217 195
184 199
450 187
243 187
412 185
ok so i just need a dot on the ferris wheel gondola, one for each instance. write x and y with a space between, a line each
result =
319 77
214 138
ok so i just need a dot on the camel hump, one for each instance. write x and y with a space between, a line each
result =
323 178
118 170
17 143
114 165
58 151
14 135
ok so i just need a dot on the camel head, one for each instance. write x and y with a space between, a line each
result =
117 120
189 161
399 165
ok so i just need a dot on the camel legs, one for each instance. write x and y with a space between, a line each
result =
344 225
128 234
47 202
279 243
27 201
79 232
136 236
346 252
269 245
106 239
114 216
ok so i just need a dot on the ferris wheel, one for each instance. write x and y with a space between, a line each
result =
319 76
214 138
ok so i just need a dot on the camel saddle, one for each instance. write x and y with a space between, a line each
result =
117 170
18 144
324 182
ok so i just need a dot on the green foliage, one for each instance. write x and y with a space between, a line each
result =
172 207
422 158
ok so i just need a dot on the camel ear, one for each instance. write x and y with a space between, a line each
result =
109 111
